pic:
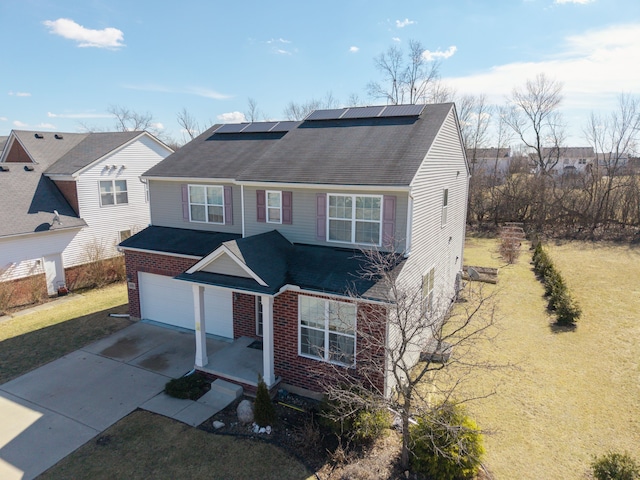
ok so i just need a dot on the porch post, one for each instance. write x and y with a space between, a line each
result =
201 328
267 340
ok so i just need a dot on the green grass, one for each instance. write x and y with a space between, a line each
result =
52 330
144 445
574 394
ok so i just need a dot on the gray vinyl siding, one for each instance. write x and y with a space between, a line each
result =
432 243
226 266
303 226
165 200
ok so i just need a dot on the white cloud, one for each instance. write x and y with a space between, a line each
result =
404 23
581 2
281 51
429 55
593 67
19 124
79 115
278 40
354 49
4 119
396 39
232 117
109 37
20 94
46 126
198 91
158 126
206 93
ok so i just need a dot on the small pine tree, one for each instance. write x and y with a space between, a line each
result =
263 411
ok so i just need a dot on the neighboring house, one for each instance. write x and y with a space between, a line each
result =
66 195
257 229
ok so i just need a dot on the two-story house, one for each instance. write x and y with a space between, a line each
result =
257 231
66 195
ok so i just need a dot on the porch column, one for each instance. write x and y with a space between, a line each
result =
267 340
201 328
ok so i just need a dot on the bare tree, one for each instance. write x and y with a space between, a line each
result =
391 341
298 111
409 81
129 120
536 121
475 116
188 123
252 112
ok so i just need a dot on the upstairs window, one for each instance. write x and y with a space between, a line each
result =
206 204
355 219
113 192
274 207
327 330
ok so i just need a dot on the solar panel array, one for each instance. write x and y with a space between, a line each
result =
367 112
379 111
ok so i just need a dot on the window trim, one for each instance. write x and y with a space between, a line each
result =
259 316
128 230
428 277
113 193
353 218
206 204
267 207
327 331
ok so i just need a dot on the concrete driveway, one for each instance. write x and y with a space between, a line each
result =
50 412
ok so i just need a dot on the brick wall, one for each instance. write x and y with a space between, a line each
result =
309 373
244 315
69 191
150 263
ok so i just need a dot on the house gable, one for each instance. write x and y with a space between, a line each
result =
17 154
225 261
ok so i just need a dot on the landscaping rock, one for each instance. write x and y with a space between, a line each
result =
218 424
245 411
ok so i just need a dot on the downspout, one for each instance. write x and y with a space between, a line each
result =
242 207
409 225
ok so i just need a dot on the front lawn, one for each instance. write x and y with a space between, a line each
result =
574 394
144 445
54 329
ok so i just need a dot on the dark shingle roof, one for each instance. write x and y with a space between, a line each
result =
359 151
28 199
182 241
90 149
270 256
215 155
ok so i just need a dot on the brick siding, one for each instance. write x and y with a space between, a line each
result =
244 316
150 263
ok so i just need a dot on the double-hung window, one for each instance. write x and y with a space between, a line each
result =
274 207
206 203
327 329
355 219
113 192
428 281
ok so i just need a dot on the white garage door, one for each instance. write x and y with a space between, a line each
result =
166 300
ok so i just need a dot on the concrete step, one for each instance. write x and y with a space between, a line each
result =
221 395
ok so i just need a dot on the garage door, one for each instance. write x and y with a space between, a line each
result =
166 300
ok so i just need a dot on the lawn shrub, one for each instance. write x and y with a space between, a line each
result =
356 424
264 412
191 386
446 444
561 301
615 466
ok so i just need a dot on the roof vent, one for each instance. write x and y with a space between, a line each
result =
39 135
28 168
58 136
3 168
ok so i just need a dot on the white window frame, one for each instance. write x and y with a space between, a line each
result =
428 289
278 208
445 205
326 354
127 231
206 204
113 192
259 316
353 219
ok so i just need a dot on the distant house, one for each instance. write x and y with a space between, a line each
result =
67 193
257 231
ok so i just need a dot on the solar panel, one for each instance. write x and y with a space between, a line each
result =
232 128
402 110
284 126
259 127
363 112
332 114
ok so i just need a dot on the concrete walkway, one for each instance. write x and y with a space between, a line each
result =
48 413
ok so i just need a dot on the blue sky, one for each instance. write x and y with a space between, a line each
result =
65 62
